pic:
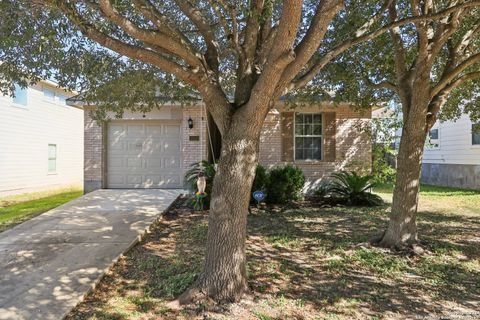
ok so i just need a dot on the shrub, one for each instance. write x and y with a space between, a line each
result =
285 184
322 190
382 170
191 176
353 189
261 179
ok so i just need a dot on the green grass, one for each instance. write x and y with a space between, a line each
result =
440 199
14 211
432 191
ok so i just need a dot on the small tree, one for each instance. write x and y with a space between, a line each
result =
384 137
432 68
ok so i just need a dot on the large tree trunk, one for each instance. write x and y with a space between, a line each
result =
224 276
402 228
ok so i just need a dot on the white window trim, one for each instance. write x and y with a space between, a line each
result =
17 105
439 145
55 96
56 158
322 136
473 146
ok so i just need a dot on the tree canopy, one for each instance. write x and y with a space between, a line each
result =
124 52
448 48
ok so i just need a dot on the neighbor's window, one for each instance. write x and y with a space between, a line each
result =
52 158
49 95
476 134
308 136
21 97
433 135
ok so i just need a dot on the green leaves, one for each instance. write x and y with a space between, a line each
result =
354 189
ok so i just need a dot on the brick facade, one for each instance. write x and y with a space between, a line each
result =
93 153
352 148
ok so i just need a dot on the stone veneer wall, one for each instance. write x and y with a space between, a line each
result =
353 149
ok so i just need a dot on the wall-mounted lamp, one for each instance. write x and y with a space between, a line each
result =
190 123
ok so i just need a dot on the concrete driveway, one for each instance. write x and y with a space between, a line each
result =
47 264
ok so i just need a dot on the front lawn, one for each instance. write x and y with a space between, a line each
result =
17 209
307 262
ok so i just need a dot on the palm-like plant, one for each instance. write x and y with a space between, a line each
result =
206 169
202 167
354 189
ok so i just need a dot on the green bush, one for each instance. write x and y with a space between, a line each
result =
352 189
259 183
285 184
382 171
261 179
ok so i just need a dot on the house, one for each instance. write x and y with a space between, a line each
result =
452 155
41 140
155 149
452 152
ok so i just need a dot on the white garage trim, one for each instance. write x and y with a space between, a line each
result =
144 154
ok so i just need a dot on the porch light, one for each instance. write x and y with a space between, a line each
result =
190 123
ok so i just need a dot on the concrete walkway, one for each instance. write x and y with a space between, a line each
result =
48 263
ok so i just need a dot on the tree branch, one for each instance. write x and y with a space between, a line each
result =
441 98
131 51
154 38
211 56
450 76
336 51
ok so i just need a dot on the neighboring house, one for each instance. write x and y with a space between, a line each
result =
452 156
452 153
41 140
154 150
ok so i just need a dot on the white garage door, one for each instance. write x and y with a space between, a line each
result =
143 155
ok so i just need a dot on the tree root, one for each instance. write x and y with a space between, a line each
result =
409 249
195 295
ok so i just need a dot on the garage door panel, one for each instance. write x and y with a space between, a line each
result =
154 130
171 179
116 162
134 131
171 163
171 146
135 179
153 163
115 179
116 146
134 147
116 131
172 131
144 155
152 146
152 180
134 163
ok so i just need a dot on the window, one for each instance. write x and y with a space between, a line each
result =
61 100
433 138
49 95
308 136
53 97
52 158
20 96
476 134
